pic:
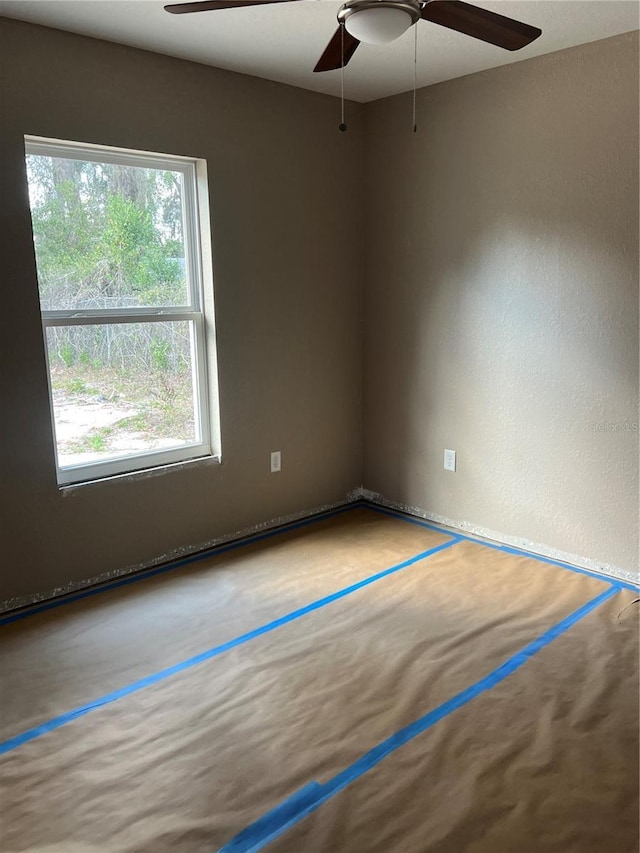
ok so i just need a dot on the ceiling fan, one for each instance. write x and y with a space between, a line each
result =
380 21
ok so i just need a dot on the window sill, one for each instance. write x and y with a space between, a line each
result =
144 474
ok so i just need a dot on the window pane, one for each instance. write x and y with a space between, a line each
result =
121 389
107 236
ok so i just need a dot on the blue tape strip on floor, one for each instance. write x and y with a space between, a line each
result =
507 549
309 798
63 719
169 567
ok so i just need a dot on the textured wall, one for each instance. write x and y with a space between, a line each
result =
501 316
502 300
285 200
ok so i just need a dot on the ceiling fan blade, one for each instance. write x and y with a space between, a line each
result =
209 5
332 56
480 23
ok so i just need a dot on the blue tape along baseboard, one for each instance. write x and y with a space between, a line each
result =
151 572
507 549
144 574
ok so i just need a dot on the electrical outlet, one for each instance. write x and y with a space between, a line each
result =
449 460
276 462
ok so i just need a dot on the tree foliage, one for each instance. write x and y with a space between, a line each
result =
106 235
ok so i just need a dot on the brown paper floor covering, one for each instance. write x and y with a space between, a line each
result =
545 761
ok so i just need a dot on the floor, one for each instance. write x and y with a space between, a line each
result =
360 682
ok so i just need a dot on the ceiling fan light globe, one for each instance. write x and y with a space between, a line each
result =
378 26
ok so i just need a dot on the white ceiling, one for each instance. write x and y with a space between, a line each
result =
283 41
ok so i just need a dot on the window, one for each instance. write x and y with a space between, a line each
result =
120 276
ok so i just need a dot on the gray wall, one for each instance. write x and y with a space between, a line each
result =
502 300
285 204
500 309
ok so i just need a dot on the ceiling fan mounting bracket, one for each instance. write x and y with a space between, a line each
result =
411 7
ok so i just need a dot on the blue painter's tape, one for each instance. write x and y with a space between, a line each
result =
286 814
63 719
160 570
290 812
507 549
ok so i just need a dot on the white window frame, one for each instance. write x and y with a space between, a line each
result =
195 209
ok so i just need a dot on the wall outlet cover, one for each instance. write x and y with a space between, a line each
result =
449 460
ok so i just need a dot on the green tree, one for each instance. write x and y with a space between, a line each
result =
104 231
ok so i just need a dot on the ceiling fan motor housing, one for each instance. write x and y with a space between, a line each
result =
379 21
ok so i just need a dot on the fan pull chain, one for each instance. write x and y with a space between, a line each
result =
342 126
415 74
